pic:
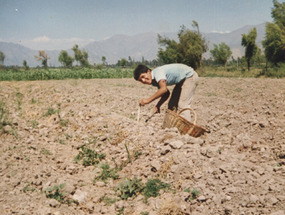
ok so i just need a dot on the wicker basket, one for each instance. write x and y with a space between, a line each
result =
173 119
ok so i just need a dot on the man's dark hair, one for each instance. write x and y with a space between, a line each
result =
139 70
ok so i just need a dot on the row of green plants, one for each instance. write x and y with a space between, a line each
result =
16 74
19 74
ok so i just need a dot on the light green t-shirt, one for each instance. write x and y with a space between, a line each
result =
172 73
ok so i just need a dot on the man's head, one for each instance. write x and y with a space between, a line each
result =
143 74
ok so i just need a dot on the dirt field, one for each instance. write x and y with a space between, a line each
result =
238 168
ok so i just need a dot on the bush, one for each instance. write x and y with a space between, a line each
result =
275 72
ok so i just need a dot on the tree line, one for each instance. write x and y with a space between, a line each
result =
191 45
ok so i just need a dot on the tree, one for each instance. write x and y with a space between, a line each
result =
259 57
42 57
123 62
80 56
188 50
274 43
25 65
2 58
248 41
65 59
221 53
104 60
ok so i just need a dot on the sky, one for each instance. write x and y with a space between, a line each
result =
59 24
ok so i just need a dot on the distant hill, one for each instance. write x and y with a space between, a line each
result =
123 46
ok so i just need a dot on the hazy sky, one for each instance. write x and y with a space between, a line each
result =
59 24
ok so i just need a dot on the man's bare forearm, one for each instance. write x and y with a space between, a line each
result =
164 97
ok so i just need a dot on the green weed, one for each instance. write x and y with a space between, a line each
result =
5 121
19 98
28 188
129 188
194 193
63 122
45 152
34 101
89 157
108 200
153 186
34 123
50 112
107 173
129 156
3 116
120 211
55 192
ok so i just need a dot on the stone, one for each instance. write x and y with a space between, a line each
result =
80 196
155 165
280 212
176 144
202 198
165 150
53 203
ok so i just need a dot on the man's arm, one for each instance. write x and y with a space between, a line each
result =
159 93
163 98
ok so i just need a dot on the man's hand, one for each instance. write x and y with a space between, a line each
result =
162 91
143 102
156 109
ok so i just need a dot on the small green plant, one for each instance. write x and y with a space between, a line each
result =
137 154
129 155
34 101
187 190
107 173
45 152
3 116
153 186
50 112
62 142
194 193
144 213
19 97
55 192
89 157
34 123
129 188
28 188
63 122
120 211
108 200
238 90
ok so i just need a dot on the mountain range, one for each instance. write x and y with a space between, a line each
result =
139 46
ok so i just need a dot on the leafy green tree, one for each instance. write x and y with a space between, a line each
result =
2 58
221 53
65 59
103 60
259 57
248 41
25 65
274 43
188 50
43 57
123 62
80 56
